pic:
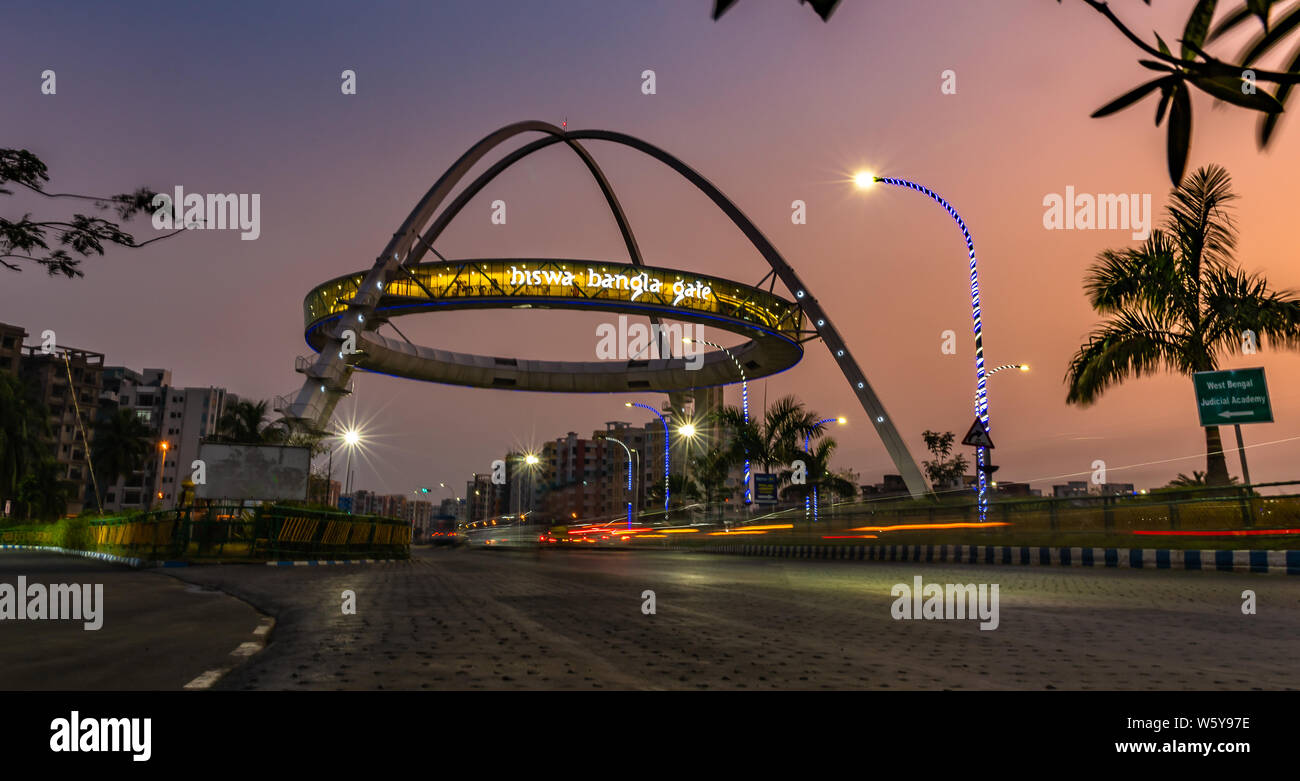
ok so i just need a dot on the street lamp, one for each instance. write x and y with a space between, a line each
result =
1024 367
841 420
744 400
866 180
351 439
667 445
162 464
531 461
631 494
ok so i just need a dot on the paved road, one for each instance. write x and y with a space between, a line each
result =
158 633
486 619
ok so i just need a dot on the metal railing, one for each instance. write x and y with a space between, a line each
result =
229 532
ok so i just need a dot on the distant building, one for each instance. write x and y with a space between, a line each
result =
575 472
1072 488
1117 489
1008 488
67 381
11 347
484 499
891 485
190 415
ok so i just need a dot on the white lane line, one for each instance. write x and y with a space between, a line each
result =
206 680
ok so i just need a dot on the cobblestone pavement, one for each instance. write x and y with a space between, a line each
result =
554 619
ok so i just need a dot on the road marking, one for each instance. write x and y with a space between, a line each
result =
208 678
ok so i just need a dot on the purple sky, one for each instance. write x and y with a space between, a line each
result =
769 103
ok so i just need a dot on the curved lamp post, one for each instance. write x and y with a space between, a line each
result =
806 438
744 400
631 495
864 180
667 446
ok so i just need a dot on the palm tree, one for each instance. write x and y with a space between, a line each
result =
776 439
245 423
1197 479
817 461
122 444
711 470
1179 302
23 421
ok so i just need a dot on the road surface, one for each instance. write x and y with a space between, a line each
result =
559 619
157 633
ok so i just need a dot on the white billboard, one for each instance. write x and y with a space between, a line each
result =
267 472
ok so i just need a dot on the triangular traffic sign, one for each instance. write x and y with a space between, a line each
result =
978 436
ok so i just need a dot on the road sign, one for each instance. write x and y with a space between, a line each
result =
764 488
1232 397
978 436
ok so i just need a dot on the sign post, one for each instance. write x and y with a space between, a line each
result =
764 488
1233 396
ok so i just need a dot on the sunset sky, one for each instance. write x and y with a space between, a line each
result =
769 103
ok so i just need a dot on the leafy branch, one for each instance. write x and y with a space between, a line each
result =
28 241
1233 83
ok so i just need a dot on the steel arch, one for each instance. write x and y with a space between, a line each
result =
327 378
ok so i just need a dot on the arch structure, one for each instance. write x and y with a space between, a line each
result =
343 337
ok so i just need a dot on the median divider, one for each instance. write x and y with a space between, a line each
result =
1285 562
222 533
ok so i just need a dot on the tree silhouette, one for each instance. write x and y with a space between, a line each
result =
28 241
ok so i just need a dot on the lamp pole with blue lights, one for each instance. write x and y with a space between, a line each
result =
667 447
631 494
864 180
744 400
806 439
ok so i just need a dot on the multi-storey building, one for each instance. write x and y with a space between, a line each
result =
575 474
11 347
144 395
485 499
190 415
68 382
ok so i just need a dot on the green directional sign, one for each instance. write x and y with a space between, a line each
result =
1233 396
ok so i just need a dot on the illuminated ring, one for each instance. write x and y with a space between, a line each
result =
771 323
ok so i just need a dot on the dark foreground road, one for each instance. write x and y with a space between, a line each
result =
157 634
485 619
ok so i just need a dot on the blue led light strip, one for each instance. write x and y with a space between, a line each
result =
806 451
667 446
981 389
744 404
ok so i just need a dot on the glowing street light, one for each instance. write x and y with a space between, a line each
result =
687 430
864 180
351 440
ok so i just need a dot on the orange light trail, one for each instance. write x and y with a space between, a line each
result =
918 526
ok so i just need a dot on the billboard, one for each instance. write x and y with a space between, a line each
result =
267 472
765 485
